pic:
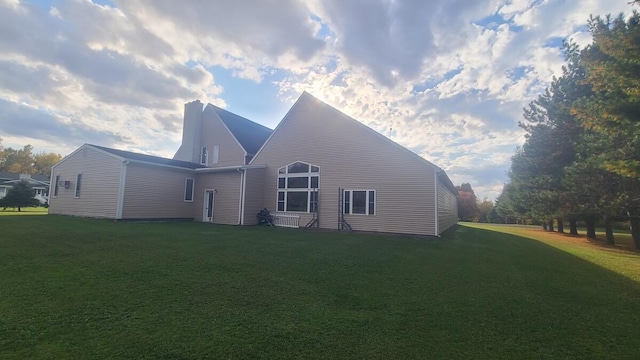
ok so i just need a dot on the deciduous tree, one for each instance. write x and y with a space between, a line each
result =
484 209
467 202
24 161
42 162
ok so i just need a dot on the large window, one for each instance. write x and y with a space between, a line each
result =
188 190
78 183
298 187
55 186
359 202
215 154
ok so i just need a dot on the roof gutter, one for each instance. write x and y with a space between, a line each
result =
160 165
229 168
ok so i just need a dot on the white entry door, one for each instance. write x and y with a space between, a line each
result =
207 213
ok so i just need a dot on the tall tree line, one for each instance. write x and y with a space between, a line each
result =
25 161
581 157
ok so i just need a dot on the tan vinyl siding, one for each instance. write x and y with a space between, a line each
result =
226 207
214 132
447 209
99 185
155 192
352 156
254 195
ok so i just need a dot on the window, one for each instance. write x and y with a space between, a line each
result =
359 202
298 187
188 190
203 156
55 186
215 154
78 183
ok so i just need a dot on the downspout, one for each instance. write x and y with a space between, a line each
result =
435 183
241 201
123 178
51 185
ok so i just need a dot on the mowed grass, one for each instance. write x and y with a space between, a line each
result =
81 288
623 258
24 211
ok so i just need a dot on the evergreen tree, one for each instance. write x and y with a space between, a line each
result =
553 133
612 64
19 196
610 116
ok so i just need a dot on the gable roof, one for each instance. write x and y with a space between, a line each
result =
128 155
9 179
250 135
14 176
315 102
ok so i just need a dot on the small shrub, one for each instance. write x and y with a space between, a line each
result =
264 217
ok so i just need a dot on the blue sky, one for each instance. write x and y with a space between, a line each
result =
446 79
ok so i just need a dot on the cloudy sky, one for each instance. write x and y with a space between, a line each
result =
446 79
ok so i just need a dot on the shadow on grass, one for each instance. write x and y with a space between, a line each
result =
83 288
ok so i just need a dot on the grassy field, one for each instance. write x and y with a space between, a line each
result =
24 211
82 288
622 258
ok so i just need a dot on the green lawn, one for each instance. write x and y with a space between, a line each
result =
82 288
24 211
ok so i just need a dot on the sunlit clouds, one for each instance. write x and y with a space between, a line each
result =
446 79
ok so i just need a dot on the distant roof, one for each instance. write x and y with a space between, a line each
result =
149 158
249 134
14 176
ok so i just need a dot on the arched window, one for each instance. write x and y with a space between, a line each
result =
298 183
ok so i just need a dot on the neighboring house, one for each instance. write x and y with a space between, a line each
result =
318 168
39 183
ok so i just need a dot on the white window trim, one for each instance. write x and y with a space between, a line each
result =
308 190
204 156
56 186
375 202
193 188
78 187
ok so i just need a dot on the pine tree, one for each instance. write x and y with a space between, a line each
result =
19 196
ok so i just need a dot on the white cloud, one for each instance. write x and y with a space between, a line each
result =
428 74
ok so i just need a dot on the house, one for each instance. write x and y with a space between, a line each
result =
39 183
318 168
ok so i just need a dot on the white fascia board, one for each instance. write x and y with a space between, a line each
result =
105 152
156 164
70 155
139 161
229 168
280 124
226 127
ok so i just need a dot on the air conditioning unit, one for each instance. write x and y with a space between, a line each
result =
64 183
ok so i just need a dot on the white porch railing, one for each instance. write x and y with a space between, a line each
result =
284 220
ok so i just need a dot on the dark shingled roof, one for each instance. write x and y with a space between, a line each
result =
249 134
149 158
14 176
